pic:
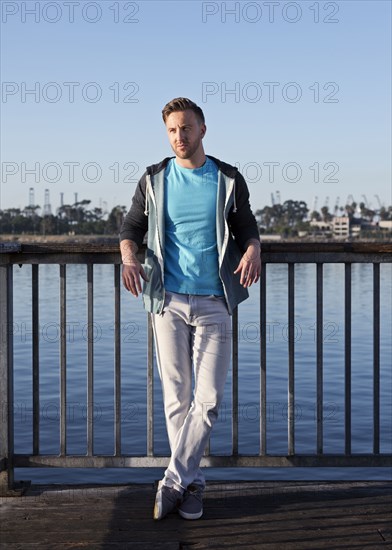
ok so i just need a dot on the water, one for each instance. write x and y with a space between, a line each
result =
133 365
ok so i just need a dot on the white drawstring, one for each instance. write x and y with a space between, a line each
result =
146 199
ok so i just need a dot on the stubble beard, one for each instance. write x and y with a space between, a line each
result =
187 152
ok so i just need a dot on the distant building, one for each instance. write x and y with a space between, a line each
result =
341 227
270 237
320 228
385 225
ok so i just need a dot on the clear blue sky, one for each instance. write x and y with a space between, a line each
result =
329 108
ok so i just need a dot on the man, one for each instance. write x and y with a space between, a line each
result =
203 252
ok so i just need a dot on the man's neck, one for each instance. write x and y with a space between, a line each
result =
196 161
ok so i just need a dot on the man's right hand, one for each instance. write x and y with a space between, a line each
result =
131 274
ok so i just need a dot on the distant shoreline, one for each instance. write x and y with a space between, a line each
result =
112 239
25 238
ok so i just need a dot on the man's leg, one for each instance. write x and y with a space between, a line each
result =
173 341
173 338
211 345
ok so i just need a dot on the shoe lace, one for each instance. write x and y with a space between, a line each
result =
195 491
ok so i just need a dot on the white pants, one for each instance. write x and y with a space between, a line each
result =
193 331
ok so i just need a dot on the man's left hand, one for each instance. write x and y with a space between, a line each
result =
250 265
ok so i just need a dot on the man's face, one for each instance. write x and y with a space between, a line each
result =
185 133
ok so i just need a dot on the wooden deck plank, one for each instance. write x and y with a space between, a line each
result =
237 515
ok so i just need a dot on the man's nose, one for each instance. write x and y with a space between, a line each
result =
180 134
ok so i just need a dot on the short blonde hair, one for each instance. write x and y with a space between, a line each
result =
182 104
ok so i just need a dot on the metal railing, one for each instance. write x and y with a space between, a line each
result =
90 254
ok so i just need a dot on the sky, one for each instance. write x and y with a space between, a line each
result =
295 94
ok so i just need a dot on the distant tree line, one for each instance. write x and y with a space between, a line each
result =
289 218
75 219
286 219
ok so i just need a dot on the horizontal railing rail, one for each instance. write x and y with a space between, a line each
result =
64 254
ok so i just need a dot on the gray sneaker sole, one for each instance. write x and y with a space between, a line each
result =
187 515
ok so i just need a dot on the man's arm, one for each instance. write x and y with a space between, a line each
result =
244 228
250 263
135 224
132 268
133 229
241 220
128 250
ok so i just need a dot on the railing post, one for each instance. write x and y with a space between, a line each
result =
319 353
8 487
263 359
234 386
376 358
6 382
291 378
150 387
347 359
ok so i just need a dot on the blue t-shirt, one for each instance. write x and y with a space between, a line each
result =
191 256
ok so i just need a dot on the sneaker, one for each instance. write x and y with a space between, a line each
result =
166 500
192 503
